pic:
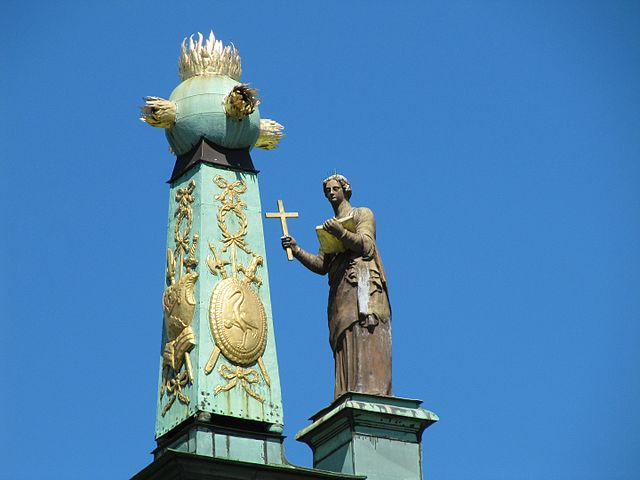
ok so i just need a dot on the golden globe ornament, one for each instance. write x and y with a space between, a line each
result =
211 102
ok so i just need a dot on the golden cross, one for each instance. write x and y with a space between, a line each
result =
282 215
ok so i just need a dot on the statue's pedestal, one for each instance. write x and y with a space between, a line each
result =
371 435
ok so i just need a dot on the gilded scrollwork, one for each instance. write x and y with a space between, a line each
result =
179 303
236 315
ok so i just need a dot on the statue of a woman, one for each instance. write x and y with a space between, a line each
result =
359 312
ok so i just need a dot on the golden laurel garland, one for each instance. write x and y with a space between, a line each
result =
231 202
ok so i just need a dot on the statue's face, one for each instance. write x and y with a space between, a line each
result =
334 192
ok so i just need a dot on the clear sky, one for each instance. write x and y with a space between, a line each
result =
497 142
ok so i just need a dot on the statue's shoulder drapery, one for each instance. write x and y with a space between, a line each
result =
358 286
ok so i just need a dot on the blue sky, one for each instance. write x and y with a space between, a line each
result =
497 143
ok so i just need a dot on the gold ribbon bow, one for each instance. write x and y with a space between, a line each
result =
245 377
174 387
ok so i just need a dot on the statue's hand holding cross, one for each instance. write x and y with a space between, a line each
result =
282 215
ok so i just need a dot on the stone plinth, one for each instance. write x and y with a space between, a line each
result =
371 435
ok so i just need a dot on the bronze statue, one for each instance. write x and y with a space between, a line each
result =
359 312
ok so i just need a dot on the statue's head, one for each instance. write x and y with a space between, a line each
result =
342 181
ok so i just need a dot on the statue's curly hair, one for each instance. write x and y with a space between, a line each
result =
342 180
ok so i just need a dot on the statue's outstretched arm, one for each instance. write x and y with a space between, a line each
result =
315 263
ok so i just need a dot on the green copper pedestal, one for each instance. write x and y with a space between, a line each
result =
371 435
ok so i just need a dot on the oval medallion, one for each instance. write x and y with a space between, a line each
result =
238 322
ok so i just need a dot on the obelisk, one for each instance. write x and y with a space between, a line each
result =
219 386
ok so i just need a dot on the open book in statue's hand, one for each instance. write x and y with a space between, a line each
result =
328 242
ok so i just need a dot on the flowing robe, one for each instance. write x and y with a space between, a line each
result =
358 310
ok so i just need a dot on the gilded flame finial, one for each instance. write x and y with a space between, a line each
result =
208 57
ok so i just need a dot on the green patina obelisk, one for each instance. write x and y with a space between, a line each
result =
219 386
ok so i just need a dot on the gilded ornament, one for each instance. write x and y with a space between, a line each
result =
238 321
241 101
270 134
158 112
245 377
211 102
208 56
179 303
236 315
